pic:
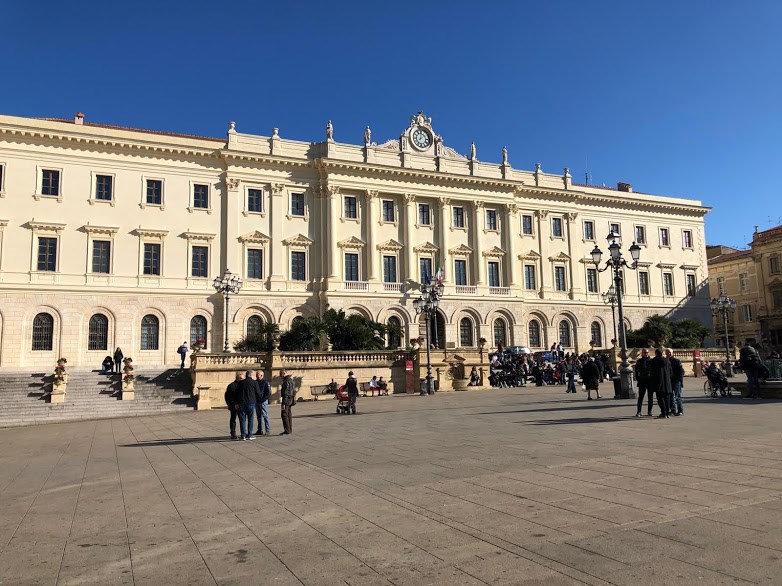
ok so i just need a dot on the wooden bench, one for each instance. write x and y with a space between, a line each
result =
318 390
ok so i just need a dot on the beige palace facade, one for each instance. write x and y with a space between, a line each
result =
112 236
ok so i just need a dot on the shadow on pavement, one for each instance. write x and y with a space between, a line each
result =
578 420
177 442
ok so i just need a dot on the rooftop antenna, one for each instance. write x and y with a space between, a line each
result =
586 173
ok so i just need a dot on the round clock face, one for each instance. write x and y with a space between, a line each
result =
421 138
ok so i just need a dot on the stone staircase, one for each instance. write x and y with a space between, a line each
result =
91 395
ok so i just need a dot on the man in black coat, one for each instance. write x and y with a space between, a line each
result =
660 382
246 396
230 401
677 380
643 374
262 404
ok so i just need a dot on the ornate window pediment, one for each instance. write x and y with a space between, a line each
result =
254 237
662 265
351 243
45 226
462 249
150 233
100 230
390 245
427 247
531 255
561 257
494 251
689 267
200 236
298 240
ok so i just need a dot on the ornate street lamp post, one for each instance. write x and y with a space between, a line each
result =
229 284
615 262
724 305
427 304
609 297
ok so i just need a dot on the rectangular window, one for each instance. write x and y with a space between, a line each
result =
154 192
104 187
559 279
526 225
746 313
691 285
742 281
643 283
255 200
665 237
460 272
687 238
298 266
2 177
350 207
458 217
721 284
151 259
101 256
592 286
668 284
423 214
556 227
297 204
491 219
425 266
388 211
389 269
200 263
201 196
529 277
589 230
773 265
254 263
776 296
640 235
50 182
351 266
615 229
494 274
47 254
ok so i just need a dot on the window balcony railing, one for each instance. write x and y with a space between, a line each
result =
499 290
392 287
466 289
356 286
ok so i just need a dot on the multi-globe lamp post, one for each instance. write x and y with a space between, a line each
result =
229 284
615 262
427 304
723 305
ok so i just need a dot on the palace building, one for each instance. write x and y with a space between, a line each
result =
112 236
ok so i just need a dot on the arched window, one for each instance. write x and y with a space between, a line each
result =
465 333
43 332
564 334
98 335
394 332
198 330
534 334
254 325
500 332
150 333
597 334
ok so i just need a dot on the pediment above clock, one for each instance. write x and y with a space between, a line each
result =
420 138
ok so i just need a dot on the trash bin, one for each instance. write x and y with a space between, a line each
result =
617 385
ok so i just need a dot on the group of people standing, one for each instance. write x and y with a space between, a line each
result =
662 375
249 394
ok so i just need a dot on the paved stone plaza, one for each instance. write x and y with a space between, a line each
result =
504 487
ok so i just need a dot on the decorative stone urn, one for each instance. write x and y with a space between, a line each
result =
128 381
60 382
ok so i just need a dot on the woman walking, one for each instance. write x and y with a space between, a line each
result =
591 374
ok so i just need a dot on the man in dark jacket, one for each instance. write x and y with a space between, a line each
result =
643 375
230 401
288 398
352 387
262 406
749 359
246 397
677 380
660 382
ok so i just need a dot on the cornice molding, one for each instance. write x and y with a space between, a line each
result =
107 230
255 237
351 243
461 249
45 226
390 245
427 247
150 233
298 240
203 236
494 251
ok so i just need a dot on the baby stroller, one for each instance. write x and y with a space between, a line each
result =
343 401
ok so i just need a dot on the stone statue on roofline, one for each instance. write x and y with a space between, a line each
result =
367 136
473 152
504 155
329 131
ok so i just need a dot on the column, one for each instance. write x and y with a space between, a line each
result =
231 254
410 211
510 244
277 206
332 195
477 230
576 281
545 265
444 229
370 221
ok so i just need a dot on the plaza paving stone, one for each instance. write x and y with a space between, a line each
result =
503 487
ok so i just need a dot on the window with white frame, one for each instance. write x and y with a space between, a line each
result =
589 230
640 234
199 266
742 282
200 196
425 268
665 237
153 195
560 284
691 286
460 272
556 227
668 284
298 265
458 217
614 228
494 273
643 283
389 269
50 182
255 263
746 313
47 253
350 207
526 224
297 204
104 188
686 238
151 258
773 265
424 214
254 200
592 284
351 266
721 284
101 256
491 220
389 213
530 281
2 178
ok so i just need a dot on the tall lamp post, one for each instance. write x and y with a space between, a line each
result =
724 305
229 284
609 297
427 304
615 262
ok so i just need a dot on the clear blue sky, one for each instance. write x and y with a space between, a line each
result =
677 97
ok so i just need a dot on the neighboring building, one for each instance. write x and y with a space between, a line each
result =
754 279
111 237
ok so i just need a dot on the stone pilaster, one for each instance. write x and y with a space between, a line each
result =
410 212
444 259
477 234
370 221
